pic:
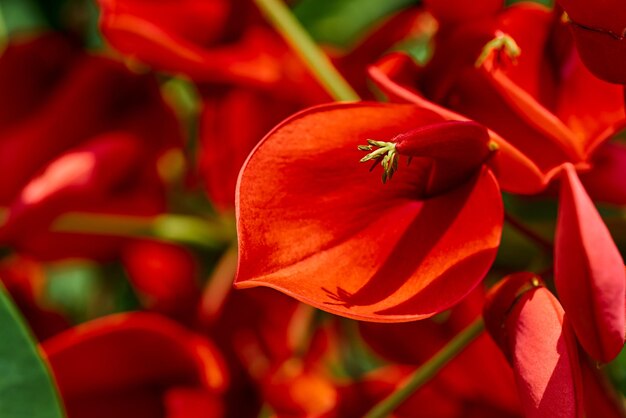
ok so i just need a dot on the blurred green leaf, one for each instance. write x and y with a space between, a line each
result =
84 290
341 22
26 386
20 16
617 372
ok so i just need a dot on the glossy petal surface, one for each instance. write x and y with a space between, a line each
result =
315 224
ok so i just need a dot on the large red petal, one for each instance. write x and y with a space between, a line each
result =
315 224
589 272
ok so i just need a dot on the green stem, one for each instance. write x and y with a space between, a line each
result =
178 228
529 233
300 41
4 32
427 370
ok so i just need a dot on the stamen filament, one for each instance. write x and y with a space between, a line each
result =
386 151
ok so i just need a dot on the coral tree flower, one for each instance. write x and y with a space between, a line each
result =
99 157
542 106
542 124
599 30
530 327
315 224
136 365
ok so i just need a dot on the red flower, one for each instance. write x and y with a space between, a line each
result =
530 327
528 87
100 157
217 41
136 365
316 225
541 124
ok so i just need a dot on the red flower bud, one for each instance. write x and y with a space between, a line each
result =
530 327
589 272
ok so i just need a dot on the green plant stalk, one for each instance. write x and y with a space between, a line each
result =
427 370
529 234
209 233
4 31
279 15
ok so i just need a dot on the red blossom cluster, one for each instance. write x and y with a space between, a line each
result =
412 210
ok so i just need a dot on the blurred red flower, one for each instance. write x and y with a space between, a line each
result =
136 365
68 154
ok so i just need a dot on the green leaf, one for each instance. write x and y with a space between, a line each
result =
341 22
548 3
26 386
617 372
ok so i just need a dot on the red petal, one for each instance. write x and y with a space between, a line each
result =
529 323
592 108
608 15
118 100
603 53
122 363
589 272
80 179
174 38
226 141
164 275
601 399
606 181
192 403
408 23
37 129
315 224
453 11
